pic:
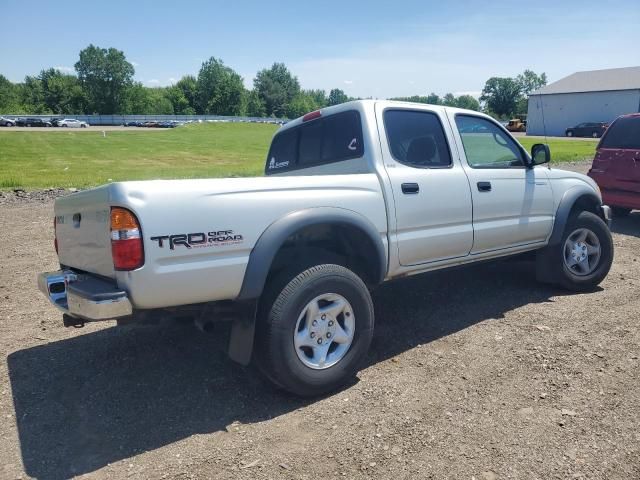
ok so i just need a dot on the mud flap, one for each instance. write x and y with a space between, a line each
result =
242 332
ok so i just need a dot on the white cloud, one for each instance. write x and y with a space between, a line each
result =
348 82
65 69
135 64
154 81
172 80
460 58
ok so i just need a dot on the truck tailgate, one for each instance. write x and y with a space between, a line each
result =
83 231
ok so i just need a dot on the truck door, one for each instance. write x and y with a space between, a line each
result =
430 190
512 204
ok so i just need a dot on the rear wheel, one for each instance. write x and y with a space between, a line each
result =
620 211
583 257
569 133
314 333
594 134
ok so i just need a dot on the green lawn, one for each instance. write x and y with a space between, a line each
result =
82 159
564 149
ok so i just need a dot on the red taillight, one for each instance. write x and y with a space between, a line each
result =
55 234
126 240
312 115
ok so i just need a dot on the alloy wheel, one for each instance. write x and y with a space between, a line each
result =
324 331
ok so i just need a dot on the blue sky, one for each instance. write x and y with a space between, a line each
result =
367 48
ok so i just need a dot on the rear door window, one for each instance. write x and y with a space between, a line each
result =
324 140
624 133
416 138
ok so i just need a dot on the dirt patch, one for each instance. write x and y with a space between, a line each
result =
474 373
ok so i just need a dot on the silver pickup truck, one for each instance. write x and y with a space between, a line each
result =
353 195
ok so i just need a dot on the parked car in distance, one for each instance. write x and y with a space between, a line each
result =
72 123
134 124
168 124
55 121
593 130
616 165
32 122
7 122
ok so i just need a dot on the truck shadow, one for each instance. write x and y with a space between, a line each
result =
98 398
629 225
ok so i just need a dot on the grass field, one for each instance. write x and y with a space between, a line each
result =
81 159
563 149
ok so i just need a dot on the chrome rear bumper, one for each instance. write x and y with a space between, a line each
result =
84 296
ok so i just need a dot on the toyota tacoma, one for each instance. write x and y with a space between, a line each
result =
353 195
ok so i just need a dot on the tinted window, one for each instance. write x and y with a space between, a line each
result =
486 145
310 148
624 133
416 138
282 154
342 137
324 140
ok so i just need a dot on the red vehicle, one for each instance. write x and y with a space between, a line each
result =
616 166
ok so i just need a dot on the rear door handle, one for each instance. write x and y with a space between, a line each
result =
410 188
484 186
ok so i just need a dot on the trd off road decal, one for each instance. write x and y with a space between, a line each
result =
220 238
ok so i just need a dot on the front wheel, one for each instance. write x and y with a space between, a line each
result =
595 135
314 333
569 133
584 256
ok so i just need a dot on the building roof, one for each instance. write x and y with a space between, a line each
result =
627 78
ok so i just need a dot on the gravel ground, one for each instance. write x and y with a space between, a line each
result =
473 373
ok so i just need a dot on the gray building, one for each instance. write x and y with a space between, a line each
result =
595 96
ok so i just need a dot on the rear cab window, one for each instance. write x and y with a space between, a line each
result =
320 141
623 134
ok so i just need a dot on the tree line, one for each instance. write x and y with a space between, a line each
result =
104 84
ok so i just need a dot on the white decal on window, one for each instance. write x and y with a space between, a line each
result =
273 164
352 145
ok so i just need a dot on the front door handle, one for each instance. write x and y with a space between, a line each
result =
484 186
410 188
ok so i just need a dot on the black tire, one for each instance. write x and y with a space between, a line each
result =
276 354
561 274
620 211
569 133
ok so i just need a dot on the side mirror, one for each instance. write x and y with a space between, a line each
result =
540 154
